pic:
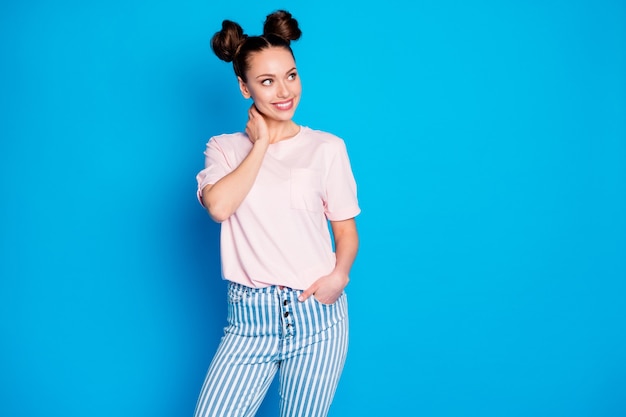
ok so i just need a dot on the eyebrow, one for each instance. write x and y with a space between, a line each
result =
272 75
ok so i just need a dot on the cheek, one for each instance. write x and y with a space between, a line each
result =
256 94
261 96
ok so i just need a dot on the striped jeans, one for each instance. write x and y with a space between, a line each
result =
269 330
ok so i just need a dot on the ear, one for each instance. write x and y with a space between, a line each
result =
243 88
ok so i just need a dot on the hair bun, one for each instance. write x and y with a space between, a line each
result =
282 24
227 41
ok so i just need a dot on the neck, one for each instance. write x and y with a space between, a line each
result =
279 131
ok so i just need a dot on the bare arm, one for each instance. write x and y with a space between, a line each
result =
224 197
328 288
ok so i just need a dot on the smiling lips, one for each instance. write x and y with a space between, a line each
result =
284 105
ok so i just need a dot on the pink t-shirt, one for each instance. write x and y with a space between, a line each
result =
279 234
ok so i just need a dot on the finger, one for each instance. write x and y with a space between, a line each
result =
253 110
250 134
306 293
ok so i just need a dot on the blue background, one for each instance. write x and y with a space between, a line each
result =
489 144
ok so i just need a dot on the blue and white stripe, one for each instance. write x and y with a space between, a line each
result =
270 331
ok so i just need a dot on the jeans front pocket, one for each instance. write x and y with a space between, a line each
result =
235 292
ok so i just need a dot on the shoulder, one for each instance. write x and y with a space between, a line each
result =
229 141
323 138
229 138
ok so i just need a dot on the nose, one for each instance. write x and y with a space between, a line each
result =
282 91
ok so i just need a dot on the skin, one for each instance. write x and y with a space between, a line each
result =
274 86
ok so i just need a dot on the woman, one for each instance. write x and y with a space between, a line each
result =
274 189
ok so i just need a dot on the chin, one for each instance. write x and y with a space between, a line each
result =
283 116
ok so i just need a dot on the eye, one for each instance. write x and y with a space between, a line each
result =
292 76
267 81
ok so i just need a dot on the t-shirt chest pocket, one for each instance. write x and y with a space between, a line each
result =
306 189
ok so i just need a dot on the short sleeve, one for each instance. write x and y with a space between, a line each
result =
216 166
341 201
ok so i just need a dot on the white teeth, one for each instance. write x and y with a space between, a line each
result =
283 105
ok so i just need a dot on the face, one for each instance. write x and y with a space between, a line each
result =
273 83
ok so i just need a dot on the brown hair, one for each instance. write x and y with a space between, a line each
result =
231 45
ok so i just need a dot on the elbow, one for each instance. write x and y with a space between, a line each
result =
218 219
218 214
217 210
